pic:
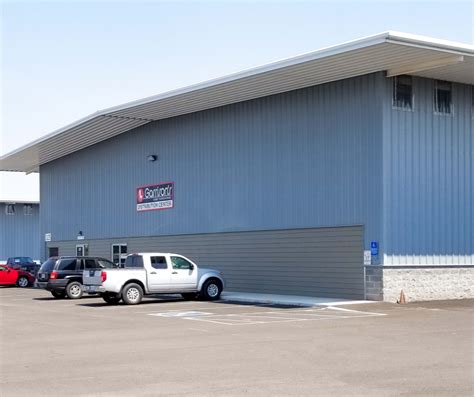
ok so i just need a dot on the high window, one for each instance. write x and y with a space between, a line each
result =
403 92
443 103
27 209
10 209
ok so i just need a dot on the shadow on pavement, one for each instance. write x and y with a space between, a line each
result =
146 301
257 304
51 298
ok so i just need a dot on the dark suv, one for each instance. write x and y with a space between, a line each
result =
63 275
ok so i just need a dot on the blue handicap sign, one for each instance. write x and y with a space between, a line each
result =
374 248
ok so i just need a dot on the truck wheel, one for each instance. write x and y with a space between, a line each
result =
189 296
111 299
74 290
22 282
58 294
132 294
212 289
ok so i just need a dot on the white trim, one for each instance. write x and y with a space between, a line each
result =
418 67
419 40
428 260
19 202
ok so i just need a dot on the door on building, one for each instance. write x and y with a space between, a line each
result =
183 273
119 254
82 250
53 251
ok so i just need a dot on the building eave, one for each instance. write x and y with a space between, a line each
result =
389 51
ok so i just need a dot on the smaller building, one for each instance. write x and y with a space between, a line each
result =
19 229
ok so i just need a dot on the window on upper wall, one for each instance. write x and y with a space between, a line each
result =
402 92
443 102
27 209
10 209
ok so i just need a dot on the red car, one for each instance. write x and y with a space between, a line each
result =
10 276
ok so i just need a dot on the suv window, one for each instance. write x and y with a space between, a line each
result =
105 264
181 263
24 259
67 264
48 265
134 261
158 262
90 264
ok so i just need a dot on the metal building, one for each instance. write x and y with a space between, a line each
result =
19 229
346 172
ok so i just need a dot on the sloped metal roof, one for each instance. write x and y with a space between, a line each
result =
395 53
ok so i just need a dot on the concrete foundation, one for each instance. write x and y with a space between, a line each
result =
419 283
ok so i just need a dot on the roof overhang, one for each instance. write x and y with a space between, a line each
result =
395 53
33 202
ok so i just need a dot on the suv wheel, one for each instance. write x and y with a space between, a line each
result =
111 299
22 282
74 290
132 294
212 289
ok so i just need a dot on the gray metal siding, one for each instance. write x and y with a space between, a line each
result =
307 158
19 233
323 262
428 173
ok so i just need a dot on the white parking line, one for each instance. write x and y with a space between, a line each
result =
269 317
181 314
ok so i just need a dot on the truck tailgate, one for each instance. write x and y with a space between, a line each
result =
92 277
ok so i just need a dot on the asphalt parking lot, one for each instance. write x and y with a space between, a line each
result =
168 346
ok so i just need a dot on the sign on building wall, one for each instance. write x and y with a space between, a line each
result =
47 237
155 197
367 257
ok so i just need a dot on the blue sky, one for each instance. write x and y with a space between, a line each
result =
63 60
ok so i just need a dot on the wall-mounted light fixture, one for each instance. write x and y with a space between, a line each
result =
152 157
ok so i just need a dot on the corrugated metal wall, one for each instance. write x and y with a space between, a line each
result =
315 262
307 158
429 172
19 233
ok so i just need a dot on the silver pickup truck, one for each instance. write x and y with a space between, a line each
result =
153 273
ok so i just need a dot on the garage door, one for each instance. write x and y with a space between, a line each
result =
326 262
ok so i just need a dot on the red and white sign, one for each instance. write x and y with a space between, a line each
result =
155 197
